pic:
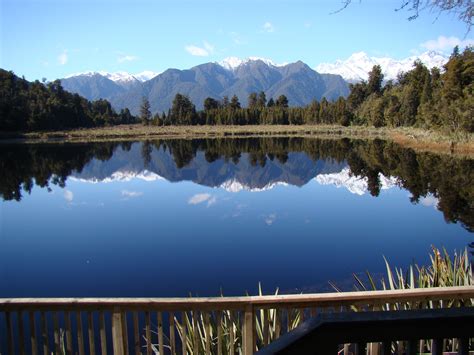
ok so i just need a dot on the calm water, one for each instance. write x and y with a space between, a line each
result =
169 218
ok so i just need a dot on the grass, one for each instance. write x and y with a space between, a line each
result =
442 271
419 139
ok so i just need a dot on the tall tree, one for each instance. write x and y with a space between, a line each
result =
145 113
374 85
262 99
282 101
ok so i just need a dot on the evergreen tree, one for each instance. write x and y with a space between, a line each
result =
282 101
145 113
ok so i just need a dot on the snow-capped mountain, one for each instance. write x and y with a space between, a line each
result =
233 185
232 63
354 184
121 176
120 77
358 65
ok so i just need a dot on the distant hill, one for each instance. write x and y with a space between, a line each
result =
297 81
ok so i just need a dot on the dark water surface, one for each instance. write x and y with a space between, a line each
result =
169 218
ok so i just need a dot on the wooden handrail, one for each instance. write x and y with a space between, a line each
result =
226 303
37 314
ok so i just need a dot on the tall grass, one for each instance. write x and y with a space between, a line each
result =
442 271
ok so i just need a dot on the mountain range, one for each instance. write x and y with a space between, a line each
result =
297 81
234 76
358 65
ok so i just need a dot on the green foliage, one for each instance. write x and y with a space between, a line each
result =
145 114
26 106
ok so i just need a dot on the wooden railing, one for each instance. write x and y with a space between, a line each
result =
217 325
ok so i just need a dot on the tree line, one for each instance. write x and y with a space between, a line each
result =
420 173
420 97
424 98
33 106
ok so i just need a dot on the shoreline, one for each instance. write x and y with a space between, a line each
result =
415 138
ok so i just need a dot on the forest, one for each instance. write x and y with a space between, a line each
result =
35 106
430 99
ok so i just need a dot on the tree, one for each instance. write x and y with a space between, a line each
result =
183 111
210 104
234 103
271 103
252 100
145 113
374 84
282 101
262 99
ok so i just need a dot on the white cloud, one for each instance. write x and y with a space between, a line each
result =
63 58
126 58
270 219
443 43
68 195
199 198
203 51
429 201
268 27
130 194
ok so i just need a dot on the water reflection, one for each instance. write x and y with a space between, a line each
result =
254 164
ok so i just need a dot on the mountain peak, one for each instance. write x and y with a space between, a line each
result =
232 63
120 77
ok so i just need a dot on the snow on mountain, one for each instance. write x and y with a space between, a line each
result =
358 65
120 77
232 63
121 176
146 75
233 185
354 184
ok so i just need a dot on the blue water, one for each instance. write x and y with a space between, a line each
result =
123 227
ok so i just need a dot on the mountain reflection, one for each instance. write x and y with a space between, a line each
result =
253 164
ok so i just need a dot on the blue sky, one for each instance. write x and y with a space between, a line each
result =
54 38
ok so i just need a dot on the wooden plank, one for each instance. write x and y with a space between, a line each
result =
90 331
225 303
21 333
67 320
57 339
103 334
161 345
207 332
44 332
148 332
33 337
219 332
266 326
117 332
136 334
247 331
10 336
124 332
80 334
172 334
184 341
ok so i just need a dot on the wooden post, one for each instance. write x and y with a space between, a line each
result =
248 334
117 332
34 339
103 334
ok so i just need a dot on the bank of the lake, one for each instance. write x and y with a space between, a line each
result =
419 139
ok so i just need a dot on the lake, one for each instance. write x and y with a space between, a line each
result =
180 217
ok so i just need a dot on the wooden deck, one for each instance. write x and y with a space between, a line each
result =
217 325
